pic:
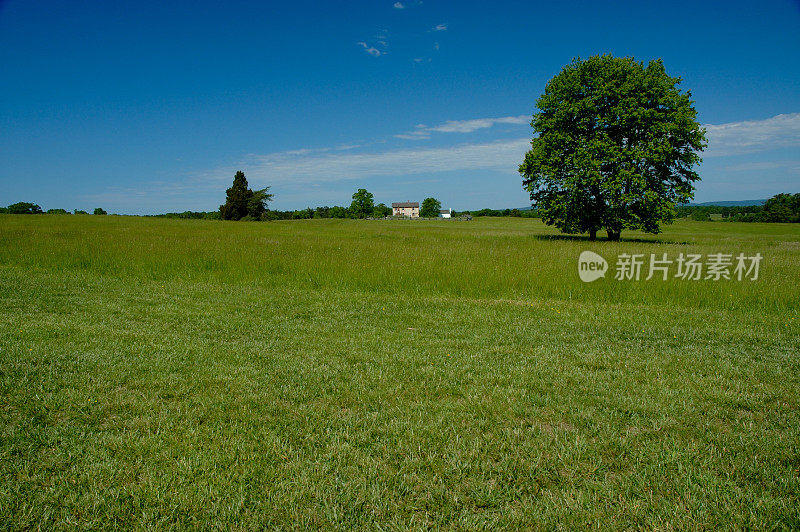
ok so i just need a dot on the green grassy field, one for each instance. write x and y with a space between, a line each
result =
387 374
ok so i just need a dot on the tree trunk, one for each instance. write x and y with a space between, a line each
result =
613 235
593 234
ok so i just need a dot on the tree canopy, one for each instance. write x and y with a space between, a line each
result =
242 202
23 207
430 208
615 145
782 208
381 211
363 204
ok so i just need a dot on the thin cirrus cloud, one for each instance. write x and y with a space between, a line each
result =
792 167
407 4
736 138
371 50
439 27
381 41
323 165
422 132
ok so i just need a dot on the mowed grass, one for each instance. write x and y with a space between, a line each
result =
387 374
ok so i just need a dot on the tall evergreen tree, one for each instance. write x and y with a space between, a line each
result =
238 198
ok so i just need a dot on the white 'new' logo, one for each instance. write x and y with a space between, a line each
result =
591 266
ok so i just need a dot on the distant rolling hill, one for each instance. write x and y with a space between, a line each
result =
742 203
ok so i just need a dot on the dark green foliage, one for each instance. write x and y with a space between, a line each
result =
430 208
381 211
303 214
78 211
615 147
191 215
99 211
57 211
241 202
307 213
517 213
257 204
362 204
24 207
782 208
338 212
237 200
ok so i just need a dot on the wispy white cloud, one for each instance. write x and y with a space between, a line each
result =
735 138
760 166
462 126
407 4
371 50
411 136
439 27
468 126
381 40
294 167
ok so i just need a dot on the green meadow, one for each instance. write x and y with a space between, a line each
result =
395 375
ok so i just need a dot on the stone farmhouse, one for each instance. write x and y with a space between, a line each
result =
406 208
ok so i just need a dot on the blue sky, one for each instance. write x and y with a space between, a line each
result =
146 107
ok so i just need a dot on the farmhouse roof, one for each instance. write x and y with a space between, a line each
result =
445 211
405 204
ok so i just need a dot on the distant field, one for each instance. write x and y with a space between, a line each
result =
354 374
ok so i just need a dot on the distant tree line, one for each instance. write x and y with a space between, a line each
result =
781 208
190 215
378 211
24 207
514 213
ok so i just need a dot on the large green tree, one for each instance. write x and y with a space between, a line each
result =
430 208
241 201
615 147
363 204
24 207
